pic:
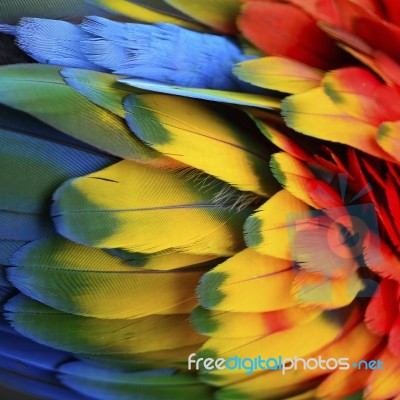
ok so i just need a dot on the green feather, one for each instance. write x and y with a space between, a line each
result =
88 281
40 91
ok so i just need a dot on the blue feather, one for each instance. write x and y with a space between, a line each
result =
34 381
6 290
162 52
50 41
107 384
27 351
244 99
7 248
17 226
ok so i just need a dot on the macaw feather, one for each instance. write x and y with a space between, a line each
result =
315 291
313 113
230 287
85 336
279 73
299 341
35 159
90 282
166 260
277 133
149 52
7 248
114 209
137 12
105 384
347 385
51 41
186 129
383 383
389 139
276 384
293 175
220 15
225 324
359 93
258 22
132 49
11 11
169 358
228 97
254 388
34 381
102 89
26 351
394 337
40 91
268 230
46 158
162 7
383 310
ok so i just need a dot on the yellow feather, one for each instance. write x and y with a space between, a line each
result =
165 261
389 138
268 231
220 15
383 384
193 132
248 282
278 73
300 341
355 344
318 291
223 324
293 175
147 210
139 13
314 114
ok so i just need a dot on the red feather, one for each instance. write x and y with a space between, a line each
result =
379 35
393 195
285 30
394 338
392 9
383 309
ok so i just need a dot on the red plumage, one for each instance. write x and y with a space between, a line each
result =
285 30
383 309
